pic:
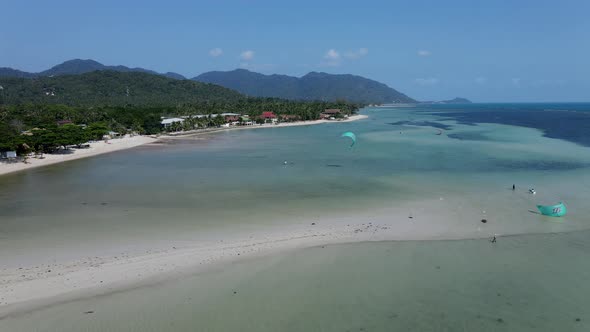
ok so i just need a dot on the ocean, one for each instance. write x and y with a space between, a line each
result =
466 157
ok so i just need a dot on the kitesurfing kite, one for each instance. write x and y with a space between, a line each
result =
558 210
351 135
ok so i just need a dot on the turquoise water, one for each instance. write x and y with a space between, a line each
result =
185 190
524 283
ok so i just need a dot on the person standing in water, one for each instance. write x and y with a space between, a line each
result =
513 187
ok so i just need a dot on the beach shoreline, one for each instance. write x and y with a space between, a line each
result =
95 149
100 147
198 132
33 285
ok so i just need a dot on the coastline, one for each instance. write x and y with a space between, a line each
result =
95 149
280 125
98 148
37 284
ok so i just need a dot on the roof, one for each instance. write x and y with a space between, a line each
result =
332 111
268 115
171 120
63 122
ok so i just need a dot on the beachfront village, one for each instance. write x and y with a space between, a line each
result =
227 120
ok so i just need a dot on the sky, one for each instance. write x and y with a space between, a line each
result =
487 51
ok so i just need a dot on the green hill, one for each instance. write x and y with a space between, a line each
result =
80 66
111 88
313 86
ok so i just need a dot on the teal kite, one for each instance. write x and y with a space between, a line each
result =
558 210
351 135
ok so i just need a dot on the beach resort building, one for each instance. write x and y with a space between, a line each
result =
268 117
169 121
331 113
290 117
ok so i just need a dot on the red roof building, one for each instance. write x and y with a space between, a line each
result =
232 118
268 115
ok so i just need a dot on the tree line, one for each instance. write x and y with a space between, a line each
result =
46 127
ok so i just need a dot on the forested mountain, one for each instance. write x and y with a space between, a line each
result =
79 66
313 86
111 88
33 110
9 72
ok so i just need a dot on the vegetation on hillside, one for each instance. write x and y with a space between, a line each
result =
79 66
313 86
111 88
43 114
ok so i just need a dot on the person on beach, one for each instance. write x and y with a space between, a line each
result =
513 187
494 239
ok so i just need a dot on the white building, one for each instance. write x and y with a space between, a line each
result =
168 122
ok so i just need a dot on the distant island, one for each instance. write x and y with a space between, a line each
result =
457 100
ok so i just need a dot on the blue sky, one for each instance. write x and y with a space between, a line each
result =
483 50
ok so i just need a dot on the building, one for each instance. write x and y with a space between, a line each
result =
268 116
63 122
168 122
232 118
330 113
289 117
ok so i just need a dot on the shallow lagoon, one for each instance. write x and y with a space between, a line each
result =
520 283
236 181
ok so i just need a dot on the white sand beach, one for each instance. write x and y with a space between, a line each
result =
31 285
96 148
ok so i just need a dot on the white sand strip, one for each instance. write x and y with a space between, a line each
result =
27 287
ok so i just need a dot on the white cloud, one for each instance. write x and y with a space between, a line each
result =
332 55
423 53
361 52
247 55
426 81
481 80
332 58
216 52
